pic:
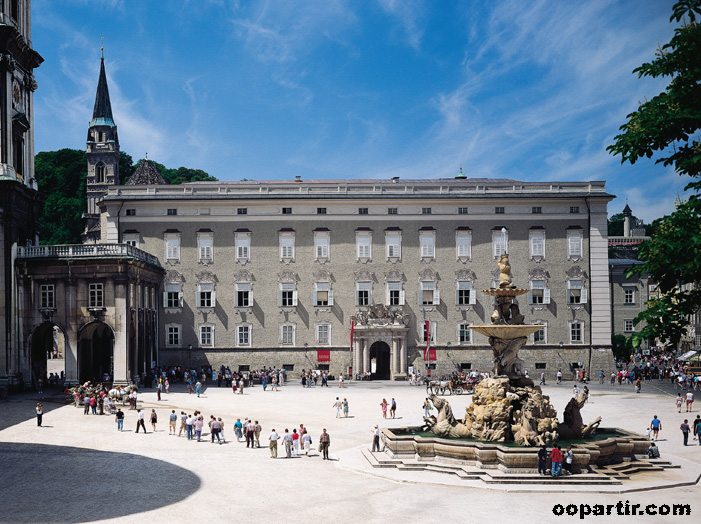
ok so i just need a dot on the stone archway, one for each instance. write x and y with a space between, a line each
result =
95 352
380 361
47 344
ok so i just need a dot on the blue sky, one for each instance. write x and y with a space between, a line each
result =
333 89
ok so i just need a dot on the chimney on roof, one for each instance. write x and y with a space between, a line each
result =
298 178
394 179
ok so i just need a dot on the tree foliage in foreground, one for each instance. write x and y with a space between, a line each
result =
667 127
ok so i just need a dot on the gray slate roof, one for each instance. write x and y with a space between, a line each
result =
146 175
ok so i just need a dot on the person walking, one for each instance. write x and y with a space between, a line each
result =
183 423
221 429
238 429
393 408
198 388
697 429
338 405
324 443
345 407
341 383
257 433
306 443
273 443
384 405
158 390
287 442
689 400
376 438
542 460
140 421
215 428
542 378
199 424
656 426
679 402
559 376
295 442
190 422
250 434
167 386
172 422
685 431
40 413
119 419
154 419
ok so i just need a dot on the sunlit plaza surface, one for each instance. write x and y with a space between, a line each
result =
79 468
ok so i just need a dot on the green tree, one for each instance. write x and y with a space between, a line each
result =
622 347
667 127
179 175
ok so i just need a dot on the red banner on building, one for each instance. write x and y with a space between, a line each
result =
324 355
432 354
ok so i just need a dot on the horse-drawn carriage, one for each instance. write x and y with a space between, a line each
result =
455 386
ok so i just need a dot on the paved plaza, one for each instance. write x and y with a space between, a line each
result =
79 468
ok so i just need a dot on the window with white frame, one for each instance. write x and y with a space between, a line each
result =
287 246
205 243
205 295
243 335
243 294
539 293
536 239
363 293
429 295
464 294
576 292
173 296
287 334
96 296
207 336
322 294
395 294
131 239
464 334
172 245
500 242
463 245
393 245
47 296
427 242
242 239
287 295
429 332
173 335
628 325
576 332
629 295
574 243
363 243
323 334
321 245
541 336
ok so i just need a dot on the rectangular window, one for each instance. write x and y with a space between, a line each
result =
323 334
206 336
537 210
465 334
172 212
131 239
205 242
288 295
243 246
48 297
425 210
540 336
576 292
392 211
322 294
427 241
464 295
463 245
364 246
287 335
537 243
499 210
500 242
629 295
430 332
428 294
172 241
576 332
173 296
320 210
462 211
574 209
288 367
362 294
628 325
395 294
393 242
242 211
243 336
538 294
286 210
362 210
173 335
205 295
95 295
287 247
574 243
321 245
243 295
541 365
131 212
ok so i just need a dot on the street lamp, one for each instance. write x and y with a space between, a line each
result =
561 344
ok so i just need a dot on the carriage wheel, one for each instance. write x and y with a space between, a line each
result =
458 391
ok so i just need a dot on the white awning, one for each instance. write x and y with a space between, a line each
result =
688 355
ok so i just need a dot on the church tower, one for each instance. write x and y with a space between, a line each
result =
103 156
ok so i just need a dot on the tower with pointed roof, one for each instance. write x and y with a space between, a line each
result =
103 156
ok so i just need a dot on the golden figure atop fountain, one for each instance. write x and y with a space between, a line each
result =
505 272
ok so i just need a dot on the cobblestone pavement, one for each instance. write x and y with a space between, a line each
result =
79 468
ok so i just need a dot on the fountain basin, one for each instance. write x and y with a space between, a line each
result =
505 331
404 443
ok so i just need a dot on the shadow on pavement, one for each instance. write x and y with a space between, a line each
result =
63 484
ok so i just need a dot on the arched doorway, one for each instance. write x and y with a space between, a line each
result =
95 352
380 361
48 353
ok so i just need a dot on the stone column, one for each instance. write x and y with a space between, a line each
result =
356 356
402 352
395 357
366 356
120 350
73 321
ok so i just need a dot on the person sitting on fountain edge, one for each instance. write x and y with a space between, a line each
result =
653 451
